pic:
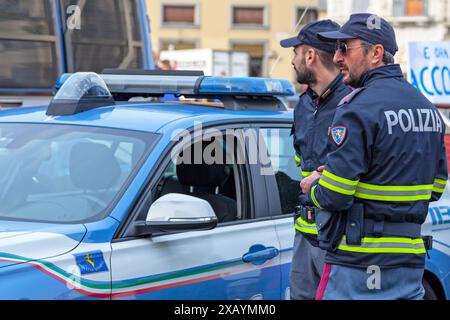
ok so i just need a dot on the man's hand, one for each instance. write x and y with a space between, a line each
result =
306 183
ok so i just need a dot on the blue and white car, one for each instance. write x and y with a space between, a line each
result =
104 198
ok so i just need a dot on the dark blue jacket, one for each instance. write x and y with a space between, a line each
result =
387 152
313 116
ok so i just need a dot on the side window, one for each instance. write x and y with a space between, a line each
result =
209 169
282 157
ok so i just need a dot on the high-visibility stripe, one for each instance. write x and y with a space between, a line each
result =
297 161
313 197
392 198
378 192
305 227
394 188
385 245
440 181
306 174
439 185
335 188
338 184
393 193
339 179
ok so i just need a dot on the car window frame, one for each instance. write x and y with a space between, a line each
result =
270 180
258 200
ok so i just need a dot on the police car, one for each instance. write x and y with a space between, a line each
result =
108 194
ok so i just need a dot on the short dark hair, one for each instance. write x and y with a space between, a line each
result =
388 58
325 57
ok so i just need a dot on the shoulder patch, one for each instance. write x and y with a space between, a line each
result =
338 134
350 96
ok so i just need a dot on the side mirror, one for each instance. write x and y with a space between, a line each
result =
176 212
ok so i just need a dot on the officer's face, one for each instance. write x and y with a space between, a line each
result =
303 72
353 63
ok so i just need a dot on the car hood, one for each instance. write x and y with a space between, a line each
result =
25 241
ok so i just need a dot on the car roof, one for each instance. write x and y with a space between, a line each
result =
150 117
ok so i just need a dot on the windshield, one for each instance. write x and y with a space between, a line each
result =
65 174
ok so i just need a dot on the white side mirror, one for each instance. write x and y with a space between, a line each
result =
180 212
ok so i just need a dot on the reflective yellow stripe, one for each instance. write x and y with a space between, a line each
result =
340 179
306 174
440 181
305 223
306 230
389 240
394 188
381 250
393 193
305 227
313 197
438 190
297 161
439 185
392 198
385 245
335 188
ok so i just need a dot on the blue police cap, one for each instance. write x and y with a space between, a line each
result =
308 36
368 27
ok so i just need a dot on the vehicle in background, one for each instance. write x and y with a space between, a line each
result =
41 39
217 63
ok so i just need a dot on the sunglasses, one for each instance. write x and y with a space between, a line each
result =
343 48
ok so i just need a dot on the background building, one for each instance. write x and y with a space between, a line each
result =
255 26
413 20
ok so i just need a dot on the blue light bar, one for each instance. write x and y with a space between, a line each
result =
192 85
245 87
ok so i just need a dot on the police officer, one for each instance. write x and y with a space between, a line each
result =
313 63
387 163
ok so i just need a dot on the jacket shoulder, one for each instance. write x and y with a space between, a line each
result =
348 98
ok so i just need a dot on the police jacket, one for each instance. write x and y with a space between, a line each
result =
313 116
387 153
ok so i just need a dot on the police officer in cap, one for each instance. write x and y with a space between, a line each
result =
313 64
387 163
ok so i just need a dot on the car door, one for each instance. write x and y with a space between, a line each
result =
283 186
238 259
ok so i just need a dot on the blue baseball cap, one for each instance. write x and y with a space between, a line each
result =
368 27
308 36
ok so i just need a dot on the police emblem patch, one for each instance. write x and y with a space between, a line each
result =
91 262
339 134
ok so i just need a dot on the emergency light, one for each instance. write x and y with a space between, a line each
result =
123 83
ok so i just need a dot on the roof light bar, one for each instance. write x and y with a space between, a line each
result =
191 85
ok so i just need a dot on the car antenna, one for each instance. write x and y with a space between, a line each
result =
275 64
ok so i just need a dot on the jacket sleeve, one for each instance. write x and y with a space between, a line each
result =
441 178
347 161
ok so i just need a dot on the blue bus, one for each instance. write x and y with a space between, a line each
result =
41 39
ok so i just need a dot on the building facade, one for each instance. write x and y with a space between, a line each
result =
413 20
255 26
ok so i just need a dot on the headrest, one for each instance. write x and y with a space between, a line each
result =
202 175
93 166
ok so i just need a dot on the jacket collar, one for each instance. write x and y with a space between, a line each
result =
387 71
328 90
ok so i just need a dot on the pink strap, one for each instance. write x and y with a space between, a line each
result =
323 282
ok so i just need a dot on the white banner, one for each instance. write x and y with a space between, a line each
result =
429 69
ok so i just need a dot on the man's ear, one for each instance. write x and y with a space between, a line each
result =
310 56
377 54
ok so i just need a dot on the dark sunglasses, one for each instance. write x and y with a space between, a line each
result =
343 48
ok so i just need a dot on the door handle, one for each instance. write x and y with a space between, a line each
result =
259 254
